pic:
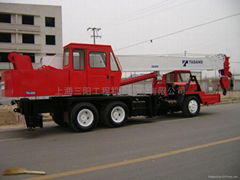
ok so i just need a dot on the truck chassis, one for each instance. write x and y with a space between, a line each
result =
66 111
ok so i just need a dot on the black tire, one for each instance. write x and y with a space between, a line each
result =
110 119
86 120
191 106
59 119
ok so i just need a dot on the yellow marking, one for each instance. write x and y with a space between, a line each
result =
133 161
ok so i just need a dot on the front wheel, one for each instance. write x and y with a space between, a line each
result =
191 106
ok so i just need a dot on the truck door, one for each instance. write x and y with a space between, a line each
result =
78 73
98 77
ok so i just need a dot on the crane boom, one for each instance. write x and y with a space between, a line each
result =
138 63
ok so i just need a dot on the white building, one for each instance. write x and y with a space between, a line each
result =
34 30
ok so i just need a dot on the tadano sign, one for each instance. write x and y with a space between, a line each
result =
191 63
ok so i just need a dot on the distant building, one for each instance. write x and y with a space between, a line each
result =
236 76
34 30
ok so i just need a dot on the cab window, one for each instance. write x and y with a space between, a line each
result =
66 57
170 78
183 77
78 59
97 60
113 64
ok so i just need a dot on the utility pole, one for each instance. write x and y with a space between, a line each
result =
95 33
185 53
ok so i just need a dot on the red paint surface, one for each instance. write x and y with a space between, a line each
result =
24 81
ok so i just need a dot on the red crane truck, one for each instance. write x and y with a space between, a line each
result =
85 91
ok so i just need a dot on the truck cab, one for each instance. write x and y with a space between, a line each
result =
93 69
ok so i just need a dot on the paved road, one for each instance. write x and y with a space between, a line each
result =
168 147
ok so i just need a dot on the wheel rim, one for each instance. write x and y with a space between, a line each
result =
118 114
85 117
193 106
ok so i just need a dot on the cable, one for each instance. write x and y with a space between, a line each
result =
137 13
154 11
153 6
150 11
179 31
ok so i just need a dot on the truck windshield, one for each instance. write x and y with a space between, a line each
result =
183 77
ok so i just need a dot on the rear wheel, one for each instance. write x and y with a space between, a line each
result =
191 106
114 114
83 117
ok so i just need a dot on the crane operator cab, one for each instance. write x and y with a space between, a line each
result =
181 81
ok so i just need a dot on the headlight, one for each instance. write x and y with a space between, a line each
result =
2 85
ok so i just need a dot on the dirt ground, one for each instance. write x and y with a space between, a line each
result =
8 117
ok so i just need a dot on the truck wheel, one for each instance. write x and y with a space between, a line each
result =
114 114
58 119
191 106
83 117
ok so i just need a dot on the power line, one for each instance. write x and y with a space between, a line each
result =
150 11
128 17
179 31
152 7
157 11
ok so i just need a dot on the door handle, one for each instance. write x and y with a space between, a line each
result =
108 76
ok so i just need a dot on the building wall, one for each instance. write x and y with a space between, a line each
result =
39 30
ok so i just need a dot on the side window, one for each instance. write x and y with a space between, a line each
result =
170 78
78 59
113 64
183 77
66 57
97 60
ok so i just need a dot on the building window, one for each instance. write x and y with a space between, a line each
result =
4 57
31 55
50 40
5 37
97 60
50 54
5 18
49 21
28 20
28 38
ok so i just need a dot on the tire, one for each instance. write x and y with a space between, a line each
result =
59 119
83 117
191 106
114 114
